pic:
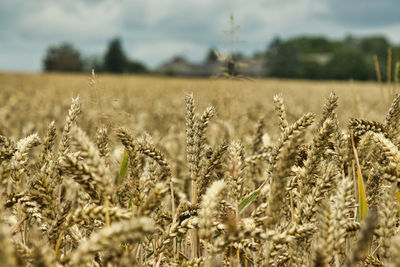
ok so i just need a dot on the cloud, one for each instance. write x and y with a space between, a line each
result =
154 30
364 14
156 51
69 19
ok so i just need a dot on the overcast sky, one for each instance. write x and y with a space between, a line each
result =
154 30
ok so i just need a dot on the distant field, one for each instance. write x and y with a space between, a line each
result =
157 103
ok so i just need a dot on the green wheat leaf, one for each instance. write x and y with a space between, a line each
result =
124 167
247 201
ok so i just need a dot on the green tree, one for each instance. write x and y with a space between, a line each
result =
63 57
211 57
115 60
311 70
347 64
282 60
375 45
307 44
135 67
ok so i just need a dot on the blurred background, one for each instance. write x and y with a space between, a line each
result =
307 39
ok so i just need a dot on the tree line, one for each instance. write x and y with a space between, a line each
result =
321 58
66 58
303 57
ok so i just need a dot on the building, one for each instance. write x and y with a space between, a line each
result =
181 67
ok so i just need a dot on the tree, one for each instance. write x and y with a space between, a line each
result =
282 59
311 70
135 67
375 45
62 58
211 57
115 59
347 64
310 44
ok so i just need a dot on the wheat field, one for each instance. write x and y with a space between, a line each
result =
150 171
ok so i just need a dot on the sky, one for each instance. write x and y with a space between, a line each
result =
153 31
